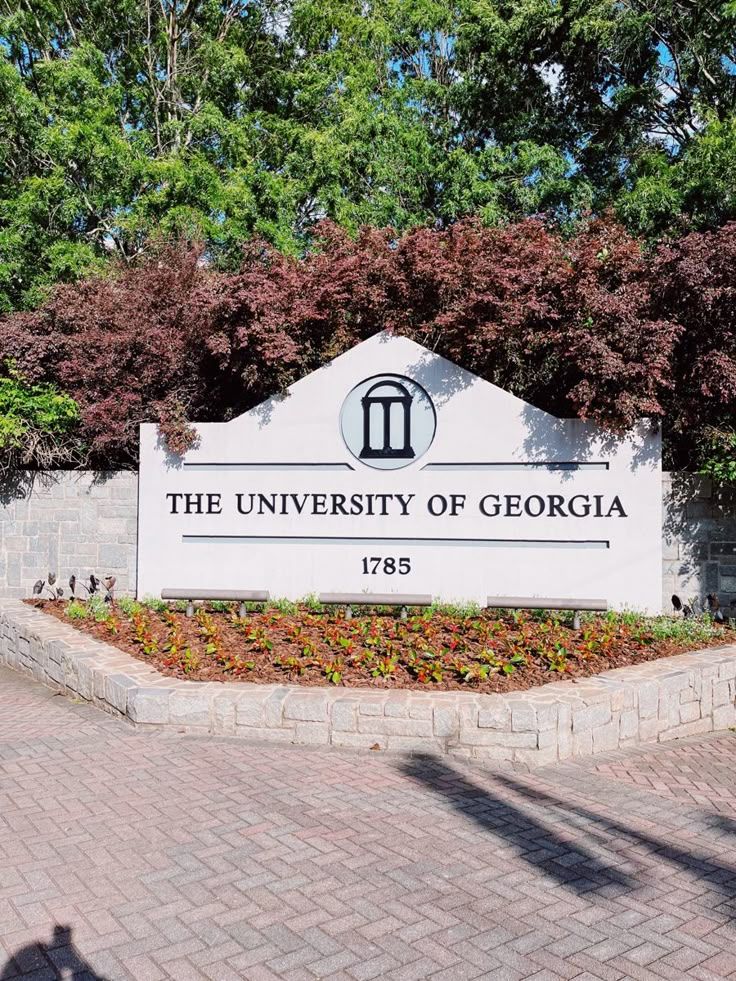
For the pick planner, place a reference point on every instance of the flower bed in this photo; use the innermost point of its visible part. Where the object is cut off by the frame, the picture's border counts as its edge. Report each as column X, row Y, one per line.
column 441, row 649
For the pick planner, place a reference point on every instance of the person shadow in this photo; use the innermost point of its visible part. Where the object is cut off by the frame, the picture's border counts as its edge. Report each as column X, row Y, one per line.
column 58, row 959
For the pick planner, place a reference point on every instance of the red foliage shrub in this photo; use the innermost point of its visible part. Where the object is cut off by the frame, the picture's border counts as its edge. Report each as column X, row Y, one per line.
column 593, row 326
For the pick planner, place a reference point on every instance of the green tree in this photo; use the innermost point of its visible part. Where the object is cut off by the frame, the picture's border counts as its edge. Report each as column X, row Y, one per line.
column 124, row 120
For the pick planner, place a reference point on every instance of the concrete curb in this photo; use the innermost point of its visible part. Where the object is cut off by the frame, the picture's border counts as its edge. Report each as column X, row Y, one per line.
column 655, row 701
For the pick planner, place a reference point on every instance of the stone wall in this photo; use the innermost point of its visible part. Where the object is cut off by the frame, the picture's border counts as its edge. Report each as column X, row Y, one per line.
column 67, row 522
column 655, row 701
column 84, row 522
column 698, row 541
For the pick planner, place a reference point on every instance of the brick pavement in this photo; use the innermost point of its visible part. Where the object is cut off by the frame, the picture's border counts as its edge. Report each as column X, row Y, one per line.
column 141, row 855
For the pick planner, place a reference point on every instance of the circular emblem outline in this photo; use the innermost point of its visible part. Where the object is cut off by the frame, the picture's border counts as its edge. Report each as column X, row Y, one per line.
column 388, row 394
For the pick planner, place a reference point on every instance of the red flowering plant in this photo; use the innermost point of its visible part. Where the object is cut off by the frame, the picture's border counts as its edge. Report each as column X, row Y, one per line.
column 481, row 651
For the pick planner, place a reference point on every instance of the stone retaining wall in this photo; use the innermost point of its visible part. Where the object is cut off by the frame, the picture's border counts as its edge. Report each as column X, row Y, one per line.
column 67, row 522
column 657, row 700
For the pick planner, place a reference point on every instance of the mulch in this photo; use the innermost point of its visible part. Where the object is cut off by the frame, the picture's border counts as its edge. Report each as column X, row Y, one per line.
column 305, row 645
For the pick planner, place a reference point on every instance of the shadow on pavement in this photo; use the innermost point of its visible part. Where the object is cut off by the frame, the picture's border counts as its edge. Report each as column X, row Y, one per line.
column 58, row 959
column 720, row 878
column 571, row 864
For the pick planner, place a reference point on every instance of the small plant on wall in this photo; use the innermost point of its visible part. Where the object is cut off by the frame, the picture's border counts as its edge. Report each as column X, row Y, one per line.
column 41, row 587
column 103, row 588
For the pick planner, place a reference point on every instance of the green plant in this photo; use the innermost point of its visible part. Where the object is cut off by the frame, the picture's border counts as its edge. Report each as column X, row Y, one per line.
column 76, row 610
column 333, row 671
column 717, row 452
column 384, row 667
column 311, row 601
column 142, row 632
column 285, row 606
column 459, row 611
column 128, row 605
column 556, row 658
column 292, row 664
column 35, row 420
column 156, row 604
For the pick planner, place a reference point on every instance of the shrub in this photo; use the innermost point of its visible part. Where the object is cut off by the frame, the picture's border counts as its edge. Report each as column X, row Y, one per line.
column 592, row 325
column 36, row 422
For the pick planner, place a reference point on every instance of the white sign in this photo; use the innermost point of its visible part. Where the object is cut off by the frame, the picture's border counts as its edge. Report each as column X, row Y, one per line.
column 393, row 470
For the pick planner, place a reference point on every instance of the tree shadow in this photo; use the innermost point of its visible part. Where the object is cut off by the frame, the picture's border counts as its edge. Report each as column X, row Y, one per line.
column 720, row 877
column 572, row 865
column 60, row 956
column 20, row 485
column 698, row 517
column 17, row 485
column 549, row 438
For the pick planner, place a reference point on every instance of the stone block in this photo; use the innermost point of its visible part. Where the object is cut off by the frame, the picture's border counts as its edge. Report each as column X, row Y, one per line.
column 149, row 705
column 706, row 697
column 590, row 717
column 190, row 708
column 396, row 705
column 494, row 714
column 100, row 490
column 496, row 737
column 114, row 526
column 648, row 730
column 309, row 706
column 582, row 742
column 374, row 707
column 721, row 694
column 344, row 715
column 71, row 665
column 605, row 738
column 470, row 713
column 223, row 712
column 724, row 717
column 689, row 712
column 490, row 752
column 523, row 718
column 629, row 725
column 689, row 729
column 311, row 733
column 710, row 577
column 547, row 716
column 85, row 677
column 446, row 722
column 420, row 708
column 564, row 732
column 535, row 757
column 117, row 687
column 112, row 557
column 673, row 709
column 99, row 678
column 396, row 727
column 669, row 550
column 548, row 739
column 250, row 710
column 274, row 708
column 285, row 735
column 414, row 744
column 618, row 699
column 360, row 740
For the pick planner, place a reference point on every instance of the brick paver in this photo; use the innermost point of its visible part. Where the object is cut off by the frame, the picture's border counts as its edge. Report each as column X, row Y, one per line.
column 140, row 855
